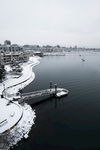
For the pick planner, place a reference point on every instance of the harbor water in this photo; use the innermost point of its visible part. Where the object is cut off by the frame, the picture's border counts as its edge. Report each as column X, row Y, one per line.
column 72, row 122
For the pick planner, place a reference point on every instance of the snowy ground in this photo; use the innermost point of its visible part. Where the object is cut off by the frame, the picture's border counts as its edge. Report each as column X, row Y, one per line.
column 19, row 83
column 21, row 130
column 11, row 114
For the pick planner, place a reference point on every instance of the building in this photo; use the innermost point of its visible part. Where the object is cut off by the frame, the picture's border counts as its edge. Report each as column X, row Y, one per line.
column 7, row 58
column 40, row 54
column 7, row 43
column 14, row 52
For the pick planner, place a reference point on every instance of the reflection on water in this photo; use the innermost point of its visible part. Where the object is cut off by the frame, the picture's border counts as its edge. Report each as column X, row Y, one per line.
column 72, row 122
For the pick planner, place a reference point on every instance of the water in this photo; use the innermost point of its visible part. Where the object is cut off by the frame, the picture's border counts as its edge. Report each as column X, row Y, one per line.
column 72, row 122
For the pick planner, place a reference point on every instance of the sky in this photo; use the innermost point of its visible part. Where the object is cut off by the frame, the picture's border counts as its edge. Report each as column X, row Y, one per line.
column 51, row 22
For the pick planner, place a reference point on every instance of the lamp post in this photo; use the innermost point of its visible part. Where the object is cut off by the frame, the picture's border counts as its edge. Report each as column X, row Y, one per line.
column 55, row 89
column 50, row 85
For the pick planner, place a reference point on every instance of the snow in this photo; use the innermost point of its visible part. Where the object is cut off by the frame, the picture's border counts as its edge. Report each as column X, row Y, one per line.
column 26, row 78
column 61, row 92
column 11, row 113
column 21, row 118
column 22, row 129
column 7, row 68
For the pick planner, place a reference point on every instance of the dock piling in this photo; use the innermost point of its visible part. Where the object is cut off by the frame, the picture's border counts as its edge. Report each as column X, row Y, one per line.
column 50, row 85
column 55, row 89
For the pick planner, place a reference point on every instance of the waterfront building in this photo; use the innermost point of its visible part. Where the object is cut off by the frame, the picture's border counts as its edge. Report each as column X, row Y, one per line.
column 7, row 58
column 7, row 42
column 14, row 52
column 40, row 54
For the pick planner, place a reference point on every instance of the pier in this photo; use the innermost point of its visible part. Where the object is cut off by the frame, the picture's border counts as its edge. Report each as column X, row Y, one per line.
column 38, row 96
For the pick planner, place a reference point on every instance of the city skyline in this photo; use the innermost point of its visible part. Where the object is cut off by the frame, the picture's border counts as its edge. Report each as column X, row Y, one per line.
column 44, row 22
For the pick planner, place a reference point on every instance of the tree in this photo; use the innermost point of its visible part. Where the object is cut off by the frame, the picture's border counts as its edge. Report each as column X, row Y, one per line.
column 2, row 71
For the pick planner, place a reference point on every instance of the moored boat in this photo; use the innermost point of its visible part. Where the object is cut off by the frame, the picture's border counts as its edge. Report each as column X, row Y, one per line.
column 62, row 93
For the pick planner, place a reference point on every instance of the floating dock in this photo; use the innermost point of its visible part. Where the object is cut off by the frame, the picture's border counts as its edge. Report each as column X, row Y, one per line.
column 38, row 96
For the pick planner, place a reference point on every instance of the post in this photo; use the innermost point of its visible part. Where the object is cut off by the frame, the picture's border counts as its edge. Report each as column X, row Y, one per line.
column 55, row 89
column 50, row 85
column 20, row 101
column 4, row 90
column 2, row 96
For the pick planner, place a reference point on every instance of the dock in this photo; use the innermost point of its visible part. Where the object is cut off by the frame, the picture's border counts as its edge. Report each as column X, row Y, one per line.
column 38, row 96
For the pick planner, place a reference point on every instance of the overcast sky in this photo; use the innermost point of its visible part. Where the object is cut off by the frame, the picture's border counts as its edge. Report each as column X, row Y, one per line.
column 63, row 22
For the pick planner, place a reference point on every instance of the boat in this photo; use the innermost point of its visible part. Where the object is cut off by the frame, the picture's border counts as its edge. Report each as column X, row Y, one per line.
column 62, row 93
column 83, row 59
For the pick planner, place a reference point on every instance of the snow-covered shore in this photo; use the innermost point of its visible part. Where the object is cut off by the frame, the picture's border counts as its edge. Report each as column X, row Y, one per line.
column 9, row 115
column 13, row 112
column 13, row 85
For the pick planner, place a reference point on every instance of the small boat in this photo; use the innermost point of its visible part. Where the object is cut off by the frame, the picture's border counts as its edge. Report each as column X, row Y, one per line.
column 83, row 59
column 61, row 93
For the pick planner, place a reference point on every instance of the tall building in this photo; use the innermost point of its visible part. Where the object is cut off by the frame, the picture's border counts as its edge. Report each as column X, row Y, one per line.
column 7, row 43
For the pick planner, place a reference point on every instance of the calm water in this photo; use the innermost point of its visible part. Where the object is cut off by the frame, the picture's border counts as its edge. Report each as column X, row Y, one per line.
column 72, row 122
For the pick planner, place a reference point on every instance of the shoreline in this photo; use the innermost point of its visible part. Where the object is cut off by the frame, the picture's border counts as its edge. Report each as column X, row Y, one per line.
column 12, row 86
column 20, row 114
